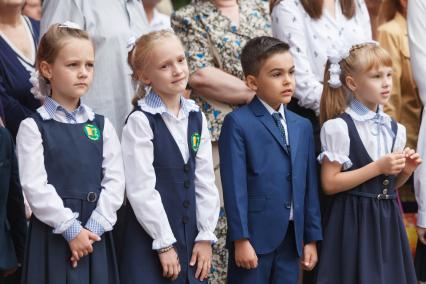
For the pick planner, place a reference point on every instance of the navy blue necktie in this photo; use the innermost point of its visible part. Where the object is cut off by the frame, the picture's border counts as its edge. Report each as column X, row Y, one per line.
column 277, row 118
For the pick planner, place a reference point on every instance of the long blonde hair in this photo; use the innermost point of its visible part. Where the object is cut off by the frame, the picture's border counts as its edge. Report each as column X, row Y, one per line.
column 139, row 55
column 362, row 58
column 314, row 7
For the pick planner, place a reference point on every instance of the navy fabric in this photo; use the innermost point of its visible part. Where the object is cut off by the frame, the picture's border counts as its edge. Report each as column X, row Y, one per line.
column 278, row 267
column 364, row 237
column 260, row 182
column 73, row 164
column 13, row 226
column 18, row 102
column 175, row 183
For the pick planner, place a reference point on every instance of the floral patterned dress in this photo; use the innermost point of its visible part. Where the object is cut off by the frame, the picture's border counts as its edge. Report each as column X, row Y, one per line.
column 211, row 39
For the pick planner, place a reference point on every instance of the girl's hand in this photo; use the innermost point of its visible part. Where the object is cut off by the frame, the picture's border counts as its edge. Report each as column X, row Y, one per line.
column 202, row 255
column 421, row 233
column 245, row 255
column 170, row 262
column 310, row 256
column 412, row 161
column 82, row 245
column 391, row 164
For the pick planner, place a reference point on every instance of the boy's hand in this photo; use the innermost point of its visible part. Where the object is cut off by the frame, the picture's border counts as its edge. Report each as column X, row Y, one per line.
column 82, row 245
column 245, row 256
column 412, row 161
column 391, row 164
column 10, row 271
column 202, row 255
column 310, row 256
column 170, row 263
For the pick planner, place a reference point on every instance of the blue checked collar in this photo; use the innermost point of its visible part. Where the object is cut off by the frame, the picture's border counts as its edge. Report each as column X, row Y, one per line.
column 153, row 104
column 51, row 107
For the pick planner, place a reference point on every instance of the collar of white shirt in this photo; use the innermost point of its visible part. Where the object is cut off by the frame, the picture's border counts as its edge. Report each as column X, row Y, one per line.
column 360, row 112
column 50, row 108
column 153, row 104
column 281, row 109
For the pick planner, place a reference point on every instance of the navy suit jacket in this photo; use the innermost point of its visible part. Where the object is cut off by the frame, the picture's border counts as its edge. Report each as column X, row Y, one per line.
column 13, row 225
column 260, row 178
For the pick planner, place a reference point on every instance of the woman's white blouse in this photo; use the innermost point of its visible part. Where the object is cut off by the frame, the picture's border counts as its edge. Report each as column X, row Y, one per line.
column 336, row 143
column 310, row 40
column 138, row 156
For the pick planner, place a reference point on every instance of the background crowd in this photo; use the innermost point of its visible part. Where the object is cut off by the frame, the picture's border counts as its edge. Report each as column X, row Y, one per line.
column 213, row 33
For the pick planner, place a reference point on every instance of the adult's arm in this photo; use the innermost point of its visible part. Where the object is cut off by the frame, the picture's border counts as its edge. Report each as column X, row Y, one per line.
column 417, row 42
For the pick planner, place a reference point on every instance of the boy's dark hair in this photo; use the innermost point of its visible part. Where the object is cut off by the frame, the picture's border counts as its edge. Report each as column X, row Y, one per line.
column 257, row 50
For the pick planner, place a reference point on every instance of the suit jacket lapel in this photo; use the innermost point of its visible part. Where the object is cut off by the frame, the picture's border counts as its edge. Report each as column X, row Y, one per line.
column 267, row 120
column 293, row 134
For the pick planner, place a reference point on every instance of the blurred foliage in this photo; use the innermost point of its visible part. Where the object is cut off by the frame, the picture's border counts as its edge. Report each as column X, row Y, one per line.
column 180, row 3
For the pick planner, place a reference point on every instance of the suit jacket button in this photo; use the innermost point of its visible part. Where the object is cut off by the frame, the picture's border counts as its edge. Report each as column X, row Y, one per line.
column 385, row 182
column 187, row 184
column 186, row 204
column 288, row 205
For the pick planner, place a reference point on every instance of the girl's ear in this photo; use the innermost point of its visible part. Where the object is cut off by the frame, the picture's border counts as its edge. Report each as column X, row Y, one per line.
column 251, row 82
column 45, row 70
column 143, row 77
column 350, row 83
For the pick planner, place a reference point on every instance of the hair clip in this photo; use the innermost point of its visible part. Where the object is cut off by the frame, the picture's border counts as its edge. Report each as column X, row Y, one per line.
column 70, row 25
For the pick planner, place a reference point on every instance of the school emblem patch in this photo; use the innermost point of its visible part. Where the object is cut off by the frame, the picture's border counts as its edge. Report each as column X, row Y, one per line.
column 195, row 141
column 92, row 132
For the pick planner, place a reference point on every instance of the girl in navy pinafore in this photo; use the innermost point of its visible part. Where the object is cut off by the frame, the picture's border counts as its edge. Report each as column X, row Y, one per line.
column 166, row 228
column 71, row 170
column 363, row 163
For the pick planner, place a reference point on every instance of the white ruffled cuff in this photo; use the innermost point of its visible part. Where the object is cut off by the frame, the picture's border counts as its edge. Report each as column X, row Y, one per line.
column 333, row 157
column 163, row 243
column 206, row 236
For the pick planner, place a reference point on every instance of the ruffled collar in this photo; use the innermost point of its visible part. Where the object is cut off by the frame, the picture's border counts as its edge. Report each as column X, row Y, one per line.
column 50, row 107
column 153, row 104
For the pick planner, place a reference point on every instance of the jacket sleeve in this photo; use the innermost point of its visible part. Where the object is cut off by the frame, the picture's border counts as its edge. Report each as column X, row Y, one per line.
column 234, row 178
column 312, row 229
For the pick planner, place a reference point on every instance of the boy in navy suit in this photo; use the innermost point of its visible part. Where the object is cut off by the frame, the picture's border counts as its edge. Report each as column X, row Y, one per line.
column 269, row 175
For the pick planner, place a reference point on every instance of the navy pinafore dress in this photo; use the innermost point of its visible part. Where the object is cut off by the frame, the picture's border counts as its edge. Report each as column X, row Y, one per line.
column 175, row 183
column 364, row 238
column 73, row 163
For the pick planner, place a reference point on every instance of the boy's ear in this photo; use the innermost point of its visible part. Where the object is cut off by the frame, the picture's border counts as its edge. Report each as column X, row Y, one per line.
column 350, row 83
column 251, row 82
column 45, row 69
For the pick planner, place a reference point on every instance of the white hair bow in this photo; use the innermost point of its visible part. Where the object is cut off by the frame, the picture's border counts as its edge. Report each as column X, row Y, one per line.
column 335, row 56
column 70, row 25
column 40, row 87
column 131, row 42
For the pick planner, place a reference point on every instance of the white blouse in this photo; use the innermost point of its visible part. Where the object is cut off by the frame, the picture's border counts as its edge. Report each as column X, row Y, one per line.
column 44, row 201
column 335, row 136
column 138, row 157
column 310, row 39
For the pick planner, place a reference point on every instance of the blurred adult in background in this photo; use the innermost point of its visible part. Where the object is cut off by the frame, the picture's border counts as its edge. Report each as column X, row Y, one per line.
column 110, row 24
column 375, row 11
column 213, row 33
column 18, row 42
column 404, row 105
column 157, row 20
column 32, row 9
column 417, row 42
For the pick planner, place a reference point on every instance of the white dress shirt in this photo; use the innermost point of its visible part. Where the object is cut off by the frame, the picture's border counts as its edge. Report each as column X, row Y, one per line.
column 160, row 21
column 44, row 201
column 140, row 174
column 311, row 39
column 110, row 24
column 335, row 135
column 417, row 41
column 284, row 124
